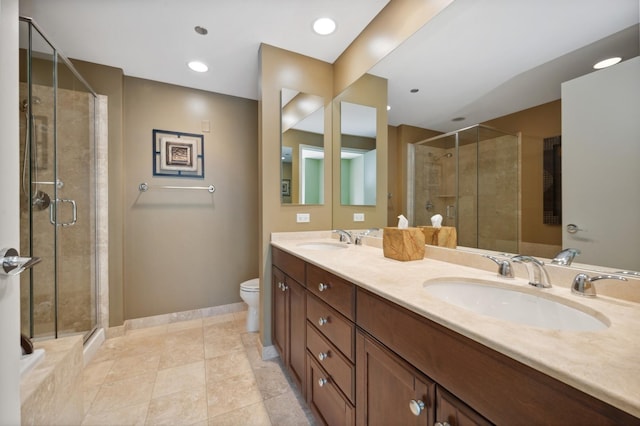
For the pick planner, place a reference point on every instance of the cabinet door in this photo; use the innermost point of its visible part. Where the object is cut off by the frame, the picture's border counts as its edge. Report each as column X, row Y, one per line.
column 389, row 391
column 297, row 331
column 451, row 411
column 279, row 314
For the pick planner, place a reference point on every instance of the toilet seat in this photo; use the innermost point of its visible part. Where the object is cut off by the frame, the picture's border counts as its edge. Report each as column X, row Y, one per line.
column 251, row 286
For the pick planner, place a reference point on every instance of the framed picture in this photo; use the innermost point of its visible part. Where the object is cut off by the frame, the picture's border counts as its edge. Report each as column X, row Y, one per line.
column 286, row 187
column 178, row 154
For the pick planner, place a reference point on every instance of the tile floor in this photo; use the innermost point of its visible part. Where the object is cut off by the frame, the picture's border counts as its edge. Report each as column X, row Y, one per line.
column 200, row 372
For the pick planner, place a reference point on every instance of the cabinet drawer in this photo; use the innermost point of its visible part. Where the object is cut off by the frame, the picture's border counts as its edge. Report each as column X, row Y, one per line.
column 291, row 265
column 340, row 294
column 324, row 399
column 341, row 371
column 337, row 329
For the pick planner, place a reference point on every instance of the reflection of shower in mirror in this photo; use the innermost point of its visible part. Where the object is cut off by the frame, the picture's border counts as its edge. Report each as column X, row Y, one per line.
column 438, row 157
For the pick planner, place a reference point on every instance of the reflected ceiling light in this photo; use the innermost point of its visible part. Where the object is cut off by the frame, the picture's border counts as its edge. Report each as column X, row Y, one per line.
column 388, row 107
column 198, row 66
column 324, row 26
column 607, row 63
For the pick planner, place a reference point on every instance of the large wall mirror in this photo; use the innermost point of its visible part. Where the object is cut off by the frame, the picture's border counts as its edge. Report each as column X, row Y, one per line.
column 432, row 87
column 302, row 148
column 357, row 154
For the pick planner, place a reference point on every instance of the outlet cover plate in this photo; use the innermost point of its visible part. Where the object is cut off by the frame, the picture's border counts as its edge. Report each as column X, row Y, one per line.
column 358, row 217
column 303, row 218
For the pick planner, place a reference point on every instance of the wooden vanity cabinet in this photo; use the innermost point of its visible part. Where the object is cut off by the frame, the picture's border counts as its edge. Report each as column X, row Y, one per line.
column 289, row 313
column 390, row 391
column 498, row 387
column 359, row 358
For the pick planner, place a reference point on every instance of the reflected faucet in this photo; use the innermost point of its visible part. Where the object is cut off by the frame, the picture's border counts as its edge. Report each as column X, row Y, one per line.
column 538, row 276
column 345, row 236
column 358, row 241
column 505, row 269
column 565, row 257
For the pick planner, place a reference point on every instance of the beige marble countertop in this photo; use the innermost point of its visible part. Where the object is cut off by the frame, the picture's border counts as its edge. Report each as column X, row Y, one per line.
column 604, row 364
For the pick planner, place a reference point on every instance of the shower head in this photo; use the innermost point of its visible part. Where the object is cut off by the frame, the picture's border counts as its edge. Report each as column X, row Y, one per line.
column 438, row 157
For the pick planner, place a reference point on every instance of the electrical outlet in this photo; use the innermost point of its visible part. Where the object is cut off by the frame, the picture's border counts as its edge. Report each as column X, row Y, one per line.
column 303, row 218
column 358, row 217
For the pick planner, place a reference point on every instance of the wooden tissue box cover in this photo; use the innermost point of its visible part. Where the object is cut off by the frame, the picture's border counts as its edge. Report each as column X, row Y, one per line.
column 445, row 236
column 403, row 244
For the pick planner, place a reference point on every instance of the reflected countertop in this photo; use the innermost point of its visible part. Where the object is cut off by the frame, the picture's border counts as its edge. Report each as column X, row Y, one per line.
column 604, row 364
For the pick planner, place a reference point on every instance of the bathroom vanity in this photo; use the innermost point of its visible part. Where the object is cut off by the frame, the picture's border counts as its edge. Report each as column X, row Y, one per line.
column 367, row 345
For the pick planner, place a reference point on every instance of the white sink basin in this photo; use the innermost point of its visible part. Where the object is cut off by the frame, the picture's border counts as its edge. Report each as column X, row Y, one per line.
column 323, row 245
column 513, row 305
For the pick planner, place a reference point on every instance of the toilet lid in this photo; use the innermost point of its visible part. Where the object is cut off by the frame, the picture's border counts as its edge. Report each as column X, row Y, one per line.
column 251, row 285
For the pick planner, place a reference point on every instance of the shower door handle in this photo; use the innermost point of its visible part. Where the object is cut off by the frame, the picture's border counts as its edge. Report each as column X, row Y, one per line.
column 53, row 208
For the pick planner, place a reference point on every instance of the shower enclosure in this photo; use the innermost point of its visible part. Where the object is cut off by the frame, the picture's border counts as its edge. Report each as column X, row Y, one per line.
column 57, row 191
column 470, row 177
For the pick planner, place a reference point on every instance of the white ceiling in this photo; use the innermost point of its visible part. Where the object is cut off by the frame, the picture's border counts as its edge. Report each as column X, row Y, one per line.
column 154, row 39
column 479, row 59
column 483, row 59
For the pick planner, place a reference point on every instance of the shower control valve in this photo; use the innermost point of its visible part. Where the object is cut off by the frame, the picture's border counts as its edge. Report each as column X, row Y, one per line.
column 13, row 264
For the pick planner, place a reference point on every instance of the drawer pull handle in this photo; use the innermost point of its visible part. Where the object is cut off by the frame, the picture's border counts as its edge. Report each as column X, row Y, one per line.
column 323, row 287
column 322, row 321
column 323, row 355
column 441, row 424
column 322, row 382
column 416, row 407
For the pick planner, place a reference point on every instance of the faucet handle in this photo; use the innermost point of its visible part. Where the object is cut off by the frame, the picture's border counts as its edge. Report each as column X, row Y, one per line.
column 504, row 266
column 583, row 284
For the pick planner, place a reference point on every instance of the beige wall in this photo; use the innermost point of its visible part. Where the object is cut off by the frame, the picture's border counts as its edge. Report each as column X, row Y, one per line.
column 282, row 69
column 183, row 249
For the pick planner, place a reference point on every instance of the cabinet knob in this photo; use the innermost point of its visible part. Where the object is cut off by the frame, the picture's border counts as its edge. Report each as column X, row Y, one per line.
column 441, row 424
column 416, row 406
column 322, row 382
column 322, row 321
column 280, row 285
column 323, row 286
column 323, row 355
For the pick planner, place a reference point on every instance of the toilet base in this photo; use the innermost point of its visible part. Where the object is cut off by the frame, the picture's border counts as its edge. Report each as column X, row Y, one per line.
column 253, row 322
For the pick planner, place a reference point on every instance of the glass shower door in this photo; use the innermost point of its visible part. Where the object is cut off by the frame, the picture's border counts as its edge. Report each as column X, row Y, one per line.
column 73, row 212
column 37, row 188
column 57, row 203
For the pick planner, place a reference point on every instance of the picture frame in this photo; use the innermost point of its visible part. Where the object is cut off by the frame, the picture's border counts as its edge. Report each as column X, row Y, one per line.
column 178, row 154
column 286, row 187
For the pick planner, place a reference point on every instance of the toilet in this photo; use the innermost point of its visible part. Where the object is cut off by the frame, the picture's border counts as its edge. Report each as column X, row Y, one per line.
column 250, row 294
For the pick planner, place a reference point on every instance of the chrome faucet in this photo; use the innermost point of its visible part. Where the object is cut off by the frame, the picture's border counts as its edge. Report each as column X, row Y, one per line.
column 505, row 269
column 345, row 236
column 358, row 241
column 565, row 257
column 583, row 284
column 538, row 276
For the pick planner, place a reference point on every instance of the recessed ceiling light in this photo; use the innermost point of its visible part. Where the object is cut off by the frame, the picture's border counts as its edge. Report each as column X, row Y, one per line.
column 414, row 90
column 198, row 66
column 607, row 63
column 324, row 26
column 201, row 30
column 458, row 119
